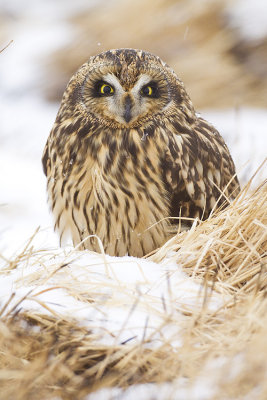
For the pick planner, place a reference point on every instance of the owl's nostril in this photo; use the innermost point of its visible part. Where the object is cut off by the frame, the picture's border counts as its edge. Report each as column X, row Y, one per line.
column 127, row 115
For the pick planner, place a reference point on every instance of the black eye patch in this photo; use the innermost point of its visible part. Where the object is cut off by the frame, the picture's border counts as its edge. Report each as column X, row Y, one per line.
column 150, row 90
column 102, row 88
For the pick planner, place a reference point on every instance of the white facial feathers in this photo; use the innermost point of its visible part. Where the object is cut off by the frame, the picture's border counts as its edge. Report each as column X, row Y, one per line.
column 136, row 103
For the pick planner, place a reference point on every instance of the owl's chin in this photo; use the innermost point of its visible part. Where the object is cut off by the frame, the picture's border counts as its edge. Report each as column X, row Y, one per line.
column 137, row 121
column 118, row 122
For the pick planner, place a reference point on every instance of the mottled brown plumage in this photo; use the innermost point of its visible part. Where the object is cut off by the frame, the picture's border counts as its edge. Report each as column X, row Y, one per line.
column 127, row 151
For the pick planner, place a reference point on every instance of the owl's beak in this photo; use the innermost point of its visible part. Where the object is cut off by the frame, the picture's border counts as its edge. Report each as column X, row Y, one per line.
column 127, row 115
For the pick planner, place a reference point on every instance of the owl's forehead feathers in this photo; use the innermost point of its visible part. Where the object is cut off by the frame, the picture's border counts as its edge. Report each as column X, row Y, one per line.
column 128, row 65
column 128, row 57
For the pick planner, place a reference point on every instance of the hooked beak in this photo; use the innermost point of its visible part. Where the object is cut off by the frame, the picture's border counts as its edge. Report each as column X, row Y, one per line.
column 127, row 109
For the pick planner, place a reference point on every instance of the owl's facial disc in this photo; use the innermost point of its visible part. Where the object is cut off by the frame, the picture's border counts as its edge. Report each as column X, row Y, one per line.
column 128, row 103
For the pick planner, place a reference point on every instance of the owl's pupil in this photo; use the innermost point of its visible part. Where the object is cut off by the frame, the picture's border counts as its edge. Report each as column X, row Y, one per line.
column 147, row 90
column 106, row 89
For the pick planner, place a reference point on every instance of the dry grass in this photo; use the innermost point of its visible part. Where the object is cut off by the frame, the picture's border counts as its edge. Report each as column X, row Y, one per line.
column 229, row 249
column 43, row 356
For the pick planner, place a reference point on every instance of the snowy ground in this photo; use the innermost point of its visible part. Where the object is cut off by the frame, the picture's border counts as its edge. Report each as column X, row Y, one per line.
column 26, row 120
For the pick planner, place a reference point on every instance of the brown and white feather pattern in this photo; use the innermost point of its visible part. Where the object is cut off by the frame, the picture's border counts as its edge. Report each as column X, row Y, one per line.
column 123, row 180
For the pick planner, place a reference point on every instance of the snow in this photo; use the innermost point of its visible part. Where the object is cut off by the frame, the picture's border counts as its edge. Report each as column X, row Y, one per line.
column 245, row 132
column 51, row 10
column 150, row 295
column 179, row 390
column 249, row 17
column 131, row 297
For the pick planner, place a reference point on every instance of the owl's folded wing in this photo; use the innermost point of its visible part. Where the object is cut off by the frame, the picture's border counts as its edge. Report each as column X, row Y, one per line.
column 201, row 172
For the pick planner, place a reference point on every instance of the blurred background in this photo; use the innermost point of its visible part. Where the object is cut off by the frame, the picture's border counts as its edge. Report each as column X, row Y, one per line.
column 218, row 48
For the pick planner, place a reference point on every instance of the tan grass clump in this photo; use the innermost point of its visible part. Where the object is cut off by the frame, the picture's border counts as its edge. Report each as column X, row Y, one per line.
column 229, row 249
column 43, row 356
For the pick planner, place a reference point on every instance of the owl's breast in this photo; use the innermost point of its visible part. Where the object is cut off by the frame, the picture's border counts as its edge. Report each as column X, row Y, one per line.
column 117, row 196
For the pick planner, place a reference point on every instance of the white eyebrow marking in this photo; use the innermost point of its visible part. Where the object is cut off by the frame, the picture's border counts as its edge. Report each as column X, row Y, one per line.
column 114, row 81
column 142, row 81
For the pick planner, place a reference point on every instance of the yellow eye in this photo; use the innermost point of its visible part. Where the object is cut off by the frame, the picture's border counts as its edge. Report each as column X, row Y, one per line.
column 106, row 89
column 151, row 90
column 147, row 91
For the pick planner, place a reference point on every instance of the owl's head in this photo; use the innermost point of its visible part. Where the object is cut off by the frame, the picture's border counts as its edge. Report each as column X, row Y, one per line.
column 126, row 88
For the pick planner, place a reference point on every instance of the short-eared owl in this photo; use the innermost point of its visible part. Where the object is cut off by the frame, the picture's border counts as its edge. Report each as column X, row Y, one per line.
column 127, row 151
